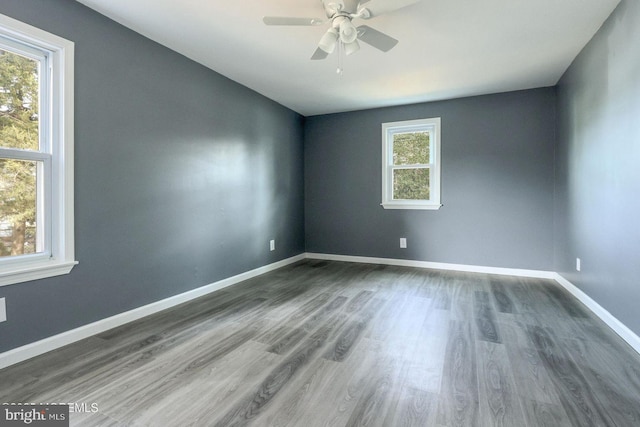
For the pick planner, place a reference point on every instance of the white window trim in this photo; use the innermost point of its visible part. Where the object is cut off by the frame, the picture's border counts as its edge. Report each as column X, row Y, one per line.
column 61, row 258
column 388, row 130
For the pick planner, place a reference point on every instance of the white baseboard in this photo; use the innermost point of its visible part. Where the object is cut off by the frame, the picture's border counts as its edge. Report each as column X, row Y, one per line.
column 539, row 274
column 37, row 348
column 618, row 327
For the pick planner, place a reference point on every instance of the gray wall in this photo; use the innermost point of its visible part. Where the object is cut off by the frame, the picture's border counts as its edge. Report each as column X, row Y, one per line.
column 182, row 177
column 598, row 167
column 497, row 184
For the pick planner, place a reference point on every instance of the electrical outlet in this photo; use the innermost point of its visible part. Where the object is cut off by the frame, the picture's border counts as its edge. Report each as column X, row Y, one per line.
column 403, row 242
column 272, row 245
column 3, row 310
column 578, row 264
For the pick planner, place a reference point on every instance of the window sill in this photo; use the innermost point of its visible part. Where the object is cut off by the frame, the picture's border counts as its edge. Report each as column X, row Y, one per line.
column 25, row 273
column 417, row 206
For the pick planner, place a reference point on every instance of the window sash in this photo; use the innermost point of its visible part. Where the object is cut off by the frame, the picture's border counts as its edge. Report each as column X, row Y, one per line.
column 44, row 200
column 43, row 57
column 390, row 177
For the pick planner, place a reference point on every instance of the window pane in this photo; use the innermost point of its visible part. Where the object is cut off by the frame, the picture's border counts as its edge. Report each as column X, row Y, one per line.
column 18, row 207
column 18, row 101
column 411, row 184
column 411, row 148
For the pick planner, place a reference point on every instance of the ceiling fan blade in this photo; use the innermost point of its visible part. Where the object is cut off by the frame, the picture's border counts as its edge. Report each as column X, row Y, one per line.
column 283, row 20
column 319, row 54
column 379, row 7
column 376, row 39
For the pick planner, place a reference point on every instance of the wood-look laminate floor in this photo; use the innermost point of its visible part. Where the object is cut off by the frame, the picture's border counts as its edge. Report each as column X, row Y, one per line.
column 335, row 344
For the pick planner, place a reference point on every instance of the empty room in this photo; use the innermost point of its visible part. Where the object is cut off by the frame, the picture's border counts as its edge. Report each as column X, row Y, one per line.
column 319, row 213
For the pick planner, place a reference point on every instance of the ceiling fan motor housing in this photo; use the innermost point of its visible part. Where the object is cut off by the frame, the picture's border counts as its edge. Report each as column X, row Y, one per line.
column 333, row 7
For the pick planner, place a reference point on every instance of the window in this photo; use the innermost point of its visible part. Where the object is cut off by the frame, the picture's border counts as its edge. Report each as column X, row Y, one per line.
column 411, row 164
column 36, row 153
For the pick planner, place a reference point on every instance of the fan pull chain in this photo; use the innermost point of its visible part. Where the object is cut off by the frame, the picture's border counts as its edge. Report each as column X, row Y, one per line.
column 340, row 70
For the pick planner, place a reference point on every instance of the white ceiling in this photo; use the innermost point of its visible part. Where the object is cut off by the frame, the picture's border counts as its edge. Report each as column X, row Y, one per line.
column 448, row 48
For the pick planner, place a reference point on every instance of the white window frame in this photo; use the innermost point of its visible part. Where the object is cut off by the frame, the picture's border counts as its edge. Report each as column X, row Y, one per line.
column 56, row 153
column 432, row 126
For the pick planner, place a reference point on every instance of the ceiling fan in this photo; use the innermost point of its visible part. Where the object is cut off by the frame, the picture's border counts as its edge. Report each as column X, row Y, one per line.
column 342, row 32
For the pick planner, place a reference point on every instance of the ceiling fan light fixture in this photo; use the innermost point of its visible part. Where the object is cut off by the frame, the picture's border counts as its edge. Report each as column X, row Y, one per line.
column 329, row 40
column 348, row 32
column 352, row 47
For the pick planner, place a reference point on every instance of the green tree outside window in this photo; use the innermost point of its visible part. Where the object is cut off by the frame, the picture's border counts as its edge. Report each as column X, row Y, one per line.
column 19, row 130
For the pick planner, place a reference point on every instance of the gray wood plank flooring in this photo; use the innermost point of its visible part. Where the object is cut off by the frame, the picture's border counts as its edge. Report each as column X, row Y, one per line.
column 322, row 343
